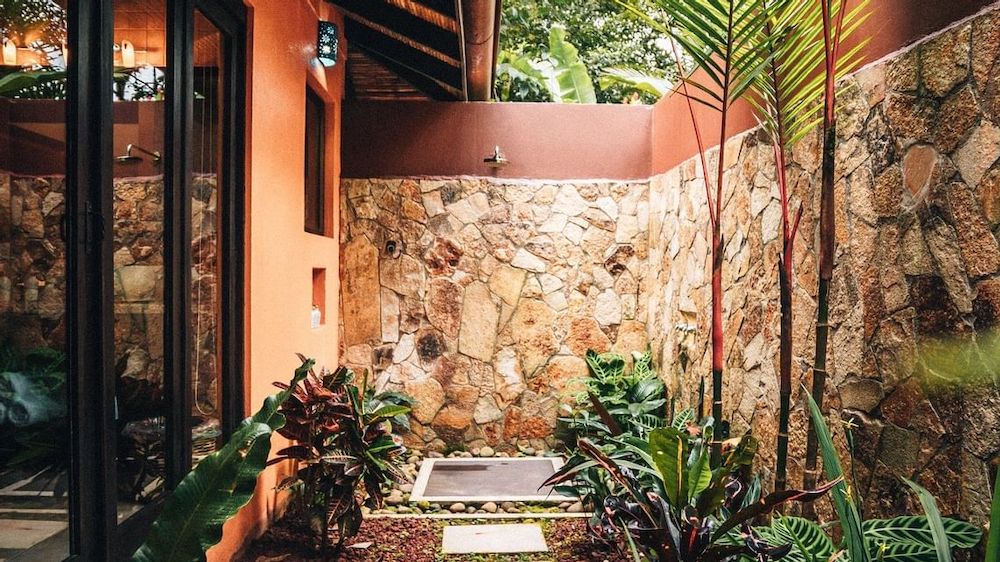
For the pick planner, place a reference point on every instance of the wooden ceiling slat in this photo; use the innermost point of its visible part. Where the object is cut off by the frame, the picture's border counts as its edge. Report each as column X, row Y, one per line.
column 441, row 6
column 405, row 27
column 405, row 40
column 371, row 82
column 403, row 53
column 445, row 20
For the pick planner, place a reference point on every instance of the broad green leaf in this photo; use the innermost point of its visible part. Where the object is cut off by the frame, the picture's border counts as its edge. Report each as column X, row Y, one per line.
column 222, row 483
column 667, row 448
column 18, row 81
column 700, row 473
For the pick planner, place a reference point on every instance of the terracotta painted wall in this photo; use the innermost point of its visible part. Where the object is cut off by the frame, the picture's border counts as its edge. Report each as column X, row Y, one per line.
column 893, row 24
column 281, row 255
column 541, row 140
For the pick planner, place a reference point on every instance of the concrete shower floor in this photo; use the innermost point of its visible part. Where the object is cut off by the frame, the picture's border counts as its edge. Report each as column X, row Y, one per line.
column 487, row 479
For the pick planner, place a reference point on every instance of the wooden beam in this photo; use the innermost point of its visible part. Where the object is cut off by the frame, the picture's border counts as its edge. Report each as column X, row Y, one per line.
column 386, row 17
column 446, row 20
column 397, row 49
column 441, row 6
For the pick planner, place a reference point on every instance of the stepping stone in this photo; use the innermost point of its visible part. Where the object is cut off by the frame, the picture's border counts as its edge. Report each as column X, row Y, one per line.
column 25, row 533
column 493, row 539
column 481, row 480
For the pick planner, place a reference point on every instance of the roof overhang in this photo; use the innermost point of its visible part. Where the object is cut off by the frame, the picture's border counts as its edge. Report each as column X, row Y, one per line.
column 446, row 49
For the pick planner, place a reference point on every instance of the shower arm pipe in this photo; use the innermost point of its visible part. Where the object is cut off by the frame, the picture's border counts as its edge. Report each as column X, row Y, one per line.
column 155, row 153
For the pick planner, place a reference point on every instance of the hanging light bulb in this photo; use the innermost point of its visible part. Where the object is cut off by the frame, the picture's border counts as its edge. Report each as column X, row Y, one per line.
column 9, row 52
column 128, row 54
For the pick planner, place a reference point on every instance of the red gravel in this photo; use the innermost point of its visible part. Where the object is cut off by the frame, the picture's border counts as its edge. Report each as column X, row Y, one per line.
column 419, row 540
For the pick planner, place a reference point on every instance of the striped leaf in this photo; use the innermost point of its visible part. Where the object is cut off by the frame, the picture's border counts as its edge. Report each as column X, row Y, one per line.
column 902, row 552
column 913, row 529
column 809, row 541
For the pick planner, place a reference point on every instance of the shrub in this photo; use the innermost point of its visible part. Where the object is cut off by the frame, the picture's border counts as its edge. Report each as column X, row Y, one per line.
column 346, row 449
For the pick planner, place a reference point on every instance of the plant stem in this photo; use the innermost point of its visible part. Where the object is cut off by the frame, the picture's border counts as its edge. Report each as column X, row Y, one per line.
column 827, row 225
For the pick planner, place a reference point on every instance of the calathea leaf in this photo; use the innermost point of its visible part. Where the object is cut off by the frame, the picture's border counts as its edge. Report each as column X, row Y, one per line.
column 913, row 529
column 809, row 541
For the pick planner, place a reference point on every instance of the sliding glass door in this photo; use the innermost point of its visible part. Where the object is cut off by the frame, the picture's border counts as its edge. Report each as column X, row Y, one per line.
column 121, row 263
column 34, row 421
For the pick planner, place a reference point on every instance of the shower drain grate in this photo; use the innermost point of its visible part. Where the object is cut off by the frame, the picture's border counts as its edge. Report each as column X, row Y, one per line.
column 487, row 479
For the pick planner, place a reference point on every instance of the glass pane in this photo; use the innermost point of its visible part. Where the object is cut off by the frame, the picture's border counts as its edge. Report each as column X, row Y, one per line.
column 209, row 72
column 33, row 410
column 140, row 56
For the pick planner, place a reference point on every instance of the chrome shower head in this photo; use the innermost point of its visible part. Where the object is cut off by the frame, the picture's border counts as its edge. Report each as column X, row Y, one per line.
column 128, row 157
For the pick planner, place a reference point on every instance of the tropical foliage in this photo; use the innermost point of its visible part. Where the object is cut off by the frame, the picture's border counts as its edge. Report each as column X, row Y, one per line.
column 787, row 96
column 345, row 448
column 222, row 483
column 558, row 73
column 901, row 539
column 603, row 32
column 635, row 399
column 670, row 504
column 33, row 424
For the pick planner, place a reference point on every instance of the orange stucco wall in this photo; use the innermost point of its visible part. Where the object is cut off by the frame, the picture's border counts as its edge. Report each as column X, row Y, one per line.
column 281, row 256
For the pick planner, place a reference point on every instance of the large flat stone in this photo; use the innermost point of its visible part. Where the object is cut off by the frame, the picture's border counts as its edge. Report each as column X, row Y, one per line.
column 18, row 534
column 493, row 539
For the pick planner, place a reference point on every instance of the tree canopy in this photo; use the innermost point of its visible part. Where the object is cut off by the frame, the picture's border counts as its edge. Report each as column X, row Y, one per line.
column 605, row 35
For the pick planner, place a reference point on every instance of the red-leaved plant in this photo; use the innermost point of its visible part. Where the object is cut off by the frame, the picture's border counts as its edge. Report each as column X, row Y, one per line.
column 345, row 449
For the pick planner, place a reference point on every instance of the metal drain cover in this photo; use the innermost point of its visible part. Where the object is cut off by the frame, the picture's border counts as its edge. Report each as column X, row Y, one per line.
column 487, row 479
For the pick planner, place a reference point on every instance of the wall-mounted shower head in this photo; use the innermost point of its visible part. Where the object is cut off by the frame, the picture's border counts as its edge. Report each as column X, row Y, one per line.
column 128, row 157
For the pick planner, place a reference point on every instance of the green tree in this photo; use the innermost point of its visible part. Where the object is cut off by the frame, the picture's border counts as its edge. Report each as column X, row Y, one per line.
column 603, row 32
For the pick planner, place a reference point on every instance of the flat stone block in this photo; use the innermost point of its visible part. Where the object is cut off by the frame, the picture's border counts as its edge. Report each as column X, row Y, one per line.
column 493, row 539
column 477, row 480
column 19, row 534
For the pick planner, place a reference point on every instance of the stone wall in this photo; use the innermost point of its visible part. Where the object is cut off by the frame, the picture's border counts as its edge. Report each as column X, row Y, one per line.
column 33, row 278
column 32, row 261
column 918, row 213
column 479, row 297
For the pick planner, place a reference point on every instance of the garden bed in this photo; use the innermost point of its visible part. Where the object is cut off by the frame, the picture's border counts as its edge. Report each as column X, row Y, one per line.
column 419, row 540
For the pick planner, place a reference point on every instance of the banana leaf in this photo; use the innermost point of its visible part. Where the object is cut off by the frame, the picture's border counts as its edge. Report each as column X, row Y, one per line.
column 211, row 494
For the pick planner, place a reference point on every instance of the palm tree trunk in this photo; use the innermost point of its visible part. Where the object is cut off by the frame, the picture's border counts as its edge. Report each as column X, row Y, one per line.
column 827, row 248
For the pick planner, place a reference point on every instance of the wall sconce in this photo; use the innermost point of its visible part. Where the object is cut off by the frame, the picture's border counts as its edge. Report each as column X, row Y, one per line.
column 9, row 52
column 327, row 43
column 128, row 54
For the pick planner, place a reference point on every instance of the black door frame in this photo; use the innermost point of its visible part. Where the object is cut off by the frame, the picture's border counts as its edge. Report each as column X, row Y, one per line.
column 95, row 534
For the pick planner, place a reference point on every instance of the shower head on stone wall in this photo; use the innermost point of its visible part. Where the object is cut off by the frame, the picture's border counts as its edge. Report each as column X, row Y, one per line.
column 128, row 157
